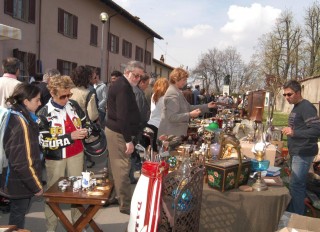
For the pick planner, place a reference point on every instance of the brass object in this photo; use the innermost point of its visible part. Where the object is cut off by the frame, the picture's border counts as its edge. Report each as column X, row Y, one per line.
column 95, row 193
column 229, row 144
column 259, row 155
column 103, row 188
column 229, row 141
column 99, row 181
column 260, row 185
column 208, row 138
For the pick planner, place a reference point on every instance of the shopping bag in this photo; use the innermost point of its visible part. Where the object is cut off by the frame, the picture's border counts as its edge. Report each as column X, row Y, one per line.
column 145, row 202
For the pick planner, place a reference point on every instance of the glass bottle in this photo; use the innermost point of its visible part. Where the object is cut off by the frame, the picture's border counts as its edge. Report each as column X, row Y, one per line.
column 215, row 149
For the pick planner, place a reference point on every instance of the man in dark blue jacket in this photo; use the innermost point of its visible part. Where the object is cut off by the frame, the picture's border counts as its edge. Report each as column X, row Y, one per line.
column 303, row 131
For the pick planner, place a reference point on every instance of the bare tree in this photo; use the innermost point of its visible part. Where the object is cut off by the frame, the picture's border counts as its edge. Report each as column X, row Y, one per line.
column 209, row 68
column 232, row 66
column 215, row 65
column 312, row 30
column 280, row 49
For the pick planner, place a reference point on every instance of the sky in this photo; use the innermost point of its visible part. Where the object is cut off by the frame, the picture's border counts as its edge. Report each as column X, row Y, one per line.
column 192, row 27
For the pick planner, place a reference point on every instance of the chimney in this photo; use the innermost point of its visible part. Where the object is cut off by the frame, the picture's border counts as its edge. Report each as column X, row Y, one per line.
column 162, row 58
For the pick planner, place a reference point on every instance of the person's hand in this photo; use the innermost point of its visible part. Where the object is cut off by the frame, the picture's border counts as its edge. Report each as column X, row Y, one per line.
column 130, row 148
column 39, row 193
column 195, row 113
column 288, row 131
column 212, row 105
column 79, row 134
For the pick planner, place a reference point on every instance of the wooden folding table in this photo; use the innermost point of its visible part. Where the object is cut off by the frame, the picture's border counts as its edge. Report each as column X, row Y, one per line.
column 88, row 205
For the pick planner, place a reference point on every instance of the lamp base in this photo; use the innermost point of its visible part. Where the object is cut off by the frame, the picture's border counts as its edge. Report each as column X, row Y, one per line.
column 260, row 185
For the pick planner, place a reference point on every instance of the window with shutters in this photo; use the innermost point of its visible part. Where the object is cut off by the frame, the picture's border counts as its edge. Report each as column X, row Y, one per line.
column 113, row 43
column 67, row 24
column 27, row 62
column 126, row 49
column 147, row 58
column 65, row 67
column 139, row 54
column 94, row 35
column 21, row 9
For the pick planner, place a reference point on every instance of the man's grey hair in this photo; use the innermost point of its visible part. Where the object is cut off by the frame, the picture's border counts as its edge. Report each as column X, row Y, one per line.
column 132, row 65
column 10, row 65
column 50, row 73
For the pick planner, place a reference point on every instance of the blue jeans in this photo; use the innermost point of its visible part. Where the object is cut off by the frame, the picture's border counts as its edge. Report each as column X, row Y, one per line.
column 300, row 166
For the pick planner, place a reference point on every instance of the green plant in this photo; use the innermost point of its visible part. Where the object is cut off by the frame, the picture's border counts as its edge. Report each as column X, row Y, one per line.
column 280, row 119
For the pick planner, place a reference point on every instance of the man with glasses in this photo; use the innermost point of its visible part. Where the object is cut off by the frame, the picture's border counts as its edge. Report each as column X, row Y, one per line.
column 303, row 131
column 121, row 127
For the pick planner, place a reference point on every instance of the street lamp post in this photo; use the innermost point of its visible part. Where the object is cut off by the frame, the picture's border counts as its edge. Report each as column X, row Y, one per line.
column 103, row 18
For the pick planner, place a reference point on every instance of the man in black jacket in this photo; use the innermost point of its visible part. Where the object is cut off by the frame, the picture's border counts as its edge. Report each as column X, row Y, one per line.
column 303, row 131
column 121, row 127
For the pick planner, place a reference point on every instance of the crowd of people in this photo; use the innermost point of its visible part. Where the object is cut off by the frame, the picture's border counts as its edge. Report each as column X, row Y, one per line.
column 50, row 125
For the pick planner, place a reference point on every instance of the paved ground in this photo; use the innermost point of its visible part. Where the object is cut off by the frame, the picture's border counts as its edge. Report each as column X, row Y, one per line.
column 108, row 219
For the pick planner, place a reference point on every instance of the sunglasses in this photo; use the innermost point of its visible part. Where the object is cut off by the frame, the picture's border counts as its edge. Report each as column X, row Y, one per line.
column 62, row 97
column 137, row 75
column 287, row 94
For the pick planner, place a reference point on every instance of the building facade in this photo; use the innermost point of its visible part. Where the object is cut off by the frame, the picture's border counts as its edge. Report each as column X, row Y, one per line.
column 160, row 68
column 63, row 34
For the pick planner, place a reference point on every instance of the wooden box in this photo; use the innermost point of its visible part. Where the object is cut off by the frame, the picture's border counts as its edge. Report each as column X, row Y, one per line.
column 222, row 174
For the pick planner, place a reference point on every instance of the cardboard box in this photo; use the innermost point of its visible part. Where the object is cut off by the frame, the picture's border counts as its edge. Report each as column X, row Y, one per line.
column 302, row 223
column 222, row 174
column 278, row 144
column 246, row 149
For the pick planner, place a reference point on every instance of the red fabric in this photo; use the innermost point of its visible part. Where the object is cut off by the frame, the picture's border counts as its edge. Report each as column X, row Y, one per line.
column 77, row 146
column 155, row 172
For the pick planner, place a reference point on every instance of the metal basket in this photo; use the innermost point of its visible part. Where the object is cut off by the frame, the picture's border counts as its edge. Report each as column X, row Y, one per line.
column 180, row 209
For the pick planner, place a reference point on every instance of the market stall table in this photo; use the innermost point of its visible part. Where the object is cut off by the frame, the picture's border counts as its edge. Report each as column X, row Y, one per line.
column 235, row 210
column 88, row 205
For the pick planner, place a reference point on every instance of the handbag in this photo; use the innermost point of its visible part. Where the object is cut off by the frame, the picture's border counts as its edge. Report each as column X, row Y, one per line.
column 96, row 143
column 145, row 202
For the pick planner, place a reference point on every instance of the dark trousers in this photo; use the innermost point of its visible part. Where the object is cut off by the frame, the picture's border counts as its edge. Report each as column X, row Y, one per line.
column 18, row 210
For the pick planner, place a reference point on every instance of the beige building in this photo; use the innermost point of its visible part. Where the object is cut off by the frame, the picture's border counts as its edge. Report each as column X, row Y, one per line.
column 160, row 68
column 63, row 34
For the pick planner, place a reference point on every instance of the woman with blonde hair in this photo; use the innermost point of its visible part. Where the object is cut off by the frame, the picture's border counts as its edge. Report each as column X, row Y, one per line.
column 159, row 89
column 62, row 129
column 177, row 110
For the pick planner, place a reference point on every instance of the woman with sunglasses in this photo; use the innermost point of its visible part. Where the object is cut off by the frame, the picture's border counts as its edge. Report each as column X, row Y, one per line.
column 61, row 133
column 22, row 178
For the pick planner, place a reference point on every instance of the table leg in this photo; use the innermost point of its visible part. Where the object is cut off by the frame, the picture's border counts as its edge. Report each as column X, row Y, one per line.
column 87, row 217
column 58, row 212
